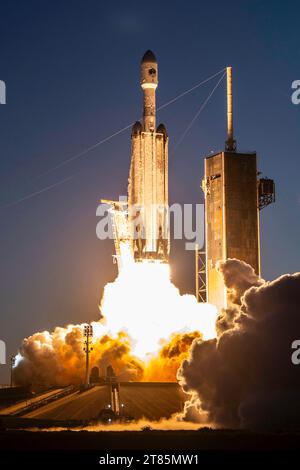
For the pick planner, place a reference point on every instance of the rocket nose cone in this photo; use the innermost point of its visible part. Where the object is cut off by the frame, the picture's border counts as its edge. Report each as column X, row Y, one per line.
column 149, row 57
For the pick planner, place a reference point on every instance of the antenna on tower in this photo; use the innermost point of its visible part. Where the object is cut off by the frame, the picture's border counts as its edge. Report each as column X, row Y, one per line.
column 230, row 144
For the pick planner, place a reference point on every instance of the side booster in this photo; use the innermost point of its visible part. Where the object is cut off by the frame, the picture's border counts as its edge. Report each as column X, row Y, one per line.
column 148, row 179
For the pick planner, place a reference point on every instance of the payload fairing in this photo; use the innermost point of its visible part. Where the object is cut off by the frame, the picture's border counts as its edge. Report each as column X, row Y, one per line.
column 148, row 178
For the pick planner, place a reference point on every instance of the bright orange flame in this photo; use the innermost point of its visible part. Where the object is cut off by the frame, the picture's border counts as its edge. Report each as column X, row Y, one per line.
column 145, row 334
column 143, row 302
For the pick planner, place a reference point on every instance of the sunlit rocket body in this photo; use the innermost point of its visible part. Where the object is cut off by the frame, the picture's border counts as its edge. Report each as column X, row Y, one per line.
column 148, row 179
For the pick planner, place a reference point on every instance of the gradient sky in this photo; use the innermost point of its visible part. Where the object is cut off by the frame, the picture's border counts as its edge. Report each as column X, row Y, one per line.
column 72, row 74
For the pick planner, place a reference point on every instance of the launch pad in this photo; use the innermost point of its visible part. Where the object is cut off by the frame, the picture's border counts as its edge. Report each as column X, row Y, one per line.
column 151, row 401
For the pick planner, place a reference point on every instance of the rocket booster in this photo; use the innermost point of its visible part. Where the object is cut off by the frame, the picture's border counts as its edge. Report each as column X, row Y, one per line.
column 148, row 179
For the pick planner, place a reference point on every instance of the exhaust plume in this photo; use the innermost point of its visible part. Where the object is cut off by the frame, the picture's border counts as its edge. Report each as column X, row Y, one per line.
column 145, row 331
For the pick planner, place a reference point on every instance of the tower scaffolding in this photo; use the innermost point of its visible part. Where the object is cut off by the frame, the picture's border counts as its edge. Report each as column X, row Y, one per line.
column 119, row 218
column 200, row 275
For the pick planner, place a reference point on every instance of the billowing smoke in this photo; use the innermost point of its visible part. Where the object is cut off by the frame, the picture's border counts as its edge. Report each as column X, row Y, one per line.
column 164, row 366
column 245, row 378
column 57, row 358
column 145, row 332
column 238, row 277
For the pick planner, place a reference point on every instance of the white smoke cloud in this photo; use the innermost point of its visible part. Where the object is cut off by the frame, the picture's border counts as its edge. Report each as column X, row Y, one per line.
column 245, row 377
column 143, row 315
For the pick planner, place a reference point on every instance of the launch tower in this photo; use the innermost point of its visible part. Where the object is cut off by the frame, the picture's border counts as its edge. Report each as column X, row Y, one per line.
column 233, row 197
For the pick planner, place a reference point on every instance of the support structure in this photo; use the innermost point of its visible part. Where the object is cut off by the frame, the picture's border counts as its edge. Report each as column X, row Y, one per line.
column 12, row 365
column 114, row 391
column 233, row 197
column 230, row 142
column 88, row 334
column 119, row 220
column 200, row 275
column 266, row 192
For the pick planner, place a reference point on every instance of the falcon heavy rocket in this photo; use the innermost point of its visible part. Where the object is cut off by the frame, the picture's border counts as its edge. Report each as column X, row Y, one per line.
column 148, row 179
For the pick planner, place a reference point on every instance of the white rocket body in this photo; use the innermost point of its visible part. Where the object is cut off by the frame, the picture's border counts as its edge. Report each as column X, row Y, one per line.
column 148, row 180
